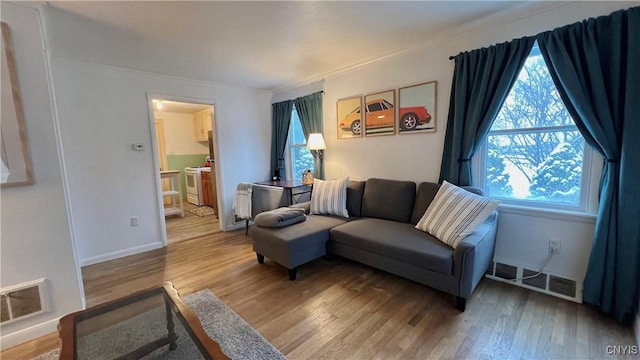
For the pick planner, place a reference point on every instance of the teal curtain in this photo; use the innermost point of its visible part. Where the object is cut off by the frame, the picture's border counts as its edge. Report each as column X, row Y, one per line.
column 309, row 110
column 481, row 82
column 280, row 120
column 595, row 65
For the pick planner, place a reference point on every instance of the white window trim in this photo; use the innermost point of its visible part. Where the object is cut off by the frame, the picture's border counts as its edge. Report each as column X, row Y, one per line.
column 555, row 214
column 287, row 159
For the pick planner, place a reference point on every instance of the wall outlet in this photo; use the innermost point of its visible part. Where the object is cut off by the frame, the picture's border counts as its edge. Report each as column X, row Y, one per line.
column 135, row 221
column 554, row 246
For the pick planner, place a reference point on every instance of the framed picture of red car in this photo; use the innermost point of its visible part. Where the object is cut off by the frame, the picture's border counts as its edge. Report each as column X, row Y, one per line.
column 380, row 113
column 417, row 108
column 349, row 119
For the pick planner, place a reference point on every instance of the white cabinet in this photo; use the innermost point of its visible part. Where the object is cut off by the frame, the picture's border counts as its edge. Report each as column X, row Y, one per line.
column 174, row 193
column 202, row 124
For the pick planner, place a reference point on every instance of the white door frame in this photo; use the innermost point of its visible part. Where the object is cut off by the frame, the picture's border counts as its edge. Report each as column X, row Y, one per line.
column 156, row 161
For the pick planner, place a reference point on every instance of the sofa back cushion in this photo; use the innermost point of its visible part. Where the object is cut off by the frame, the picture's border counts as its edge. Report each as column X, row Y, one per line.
column 355, row 189
column 426, row 192
column 388, row 199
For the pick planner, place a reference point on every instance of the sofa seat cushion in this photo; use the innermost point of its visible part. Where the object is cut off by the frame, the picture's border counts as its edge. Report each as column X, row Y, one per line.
column 310, row 233
column 399, row 241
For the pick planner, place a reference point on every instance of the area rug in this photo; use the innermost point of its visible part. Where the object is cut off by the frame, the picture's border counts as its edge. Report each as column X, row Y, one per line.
column 237, row 339
column 202, row 211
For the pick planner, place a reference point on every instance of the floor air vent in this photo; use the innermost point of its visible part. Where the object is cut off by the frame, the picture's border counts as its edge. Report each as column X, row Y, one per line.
column 539, row 281
column 506, row 271
column 562, row 286
column 545, row 283
column 24, row 300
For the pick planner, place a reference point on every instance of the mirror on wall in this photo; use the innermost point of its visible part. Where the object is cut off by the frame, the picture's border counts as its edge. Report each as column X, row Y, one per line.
column 14, row 149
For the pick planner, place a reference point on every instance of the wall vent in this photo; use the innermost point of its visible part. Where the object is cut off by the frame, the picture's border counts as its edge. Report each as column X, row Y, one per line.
column 539, row 281
column 490, row 269
column 506, row 271
column 562, row 286
column 23, row 300
column 546, row 283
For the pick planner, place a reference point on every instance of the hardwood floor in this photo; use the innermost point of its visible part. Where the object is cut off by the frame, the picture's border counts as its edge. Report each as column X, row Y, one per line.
column 338, row 309
column 190, row 226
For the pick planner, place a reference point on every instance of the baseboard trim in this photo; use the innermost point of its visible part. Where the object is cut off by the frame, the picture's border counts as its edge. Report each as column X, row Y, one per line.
column 28, row 334
column 120, row 253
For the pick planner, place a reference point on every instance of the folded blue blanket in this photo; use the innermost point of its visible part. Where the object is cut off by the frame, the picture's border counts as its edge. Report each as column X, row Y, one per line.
column 280, row 217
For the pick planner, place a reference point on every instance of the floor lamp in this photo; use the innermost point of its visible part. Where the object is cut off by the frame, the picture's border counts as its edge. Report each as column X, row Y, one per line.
column 316, row 144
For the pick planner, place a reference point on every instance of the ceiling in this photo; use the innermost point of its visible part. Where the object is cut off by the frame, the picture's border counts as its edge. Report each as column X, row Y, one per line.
column 261, row 45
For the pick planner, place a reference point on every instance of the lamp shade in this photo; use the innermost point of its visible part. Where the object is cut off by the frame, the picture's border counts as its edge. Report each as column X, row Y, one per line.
column 316, row 142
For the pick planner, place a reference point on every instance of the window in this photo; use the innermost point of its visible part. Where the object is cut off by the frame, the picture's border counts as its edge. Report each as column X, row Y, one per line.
column 376, row 106
column 299, row 158
column 534, row 153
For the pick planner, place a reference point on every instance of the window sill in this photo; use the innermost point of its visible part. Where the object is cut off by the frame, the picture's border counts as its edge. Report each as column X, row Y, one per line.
column 565, row 215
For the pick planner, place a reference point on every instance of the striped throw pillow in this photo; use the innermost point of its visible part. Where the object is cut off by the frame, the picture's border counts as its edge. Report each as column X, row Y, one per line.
column 455, row 213
column 330, row 197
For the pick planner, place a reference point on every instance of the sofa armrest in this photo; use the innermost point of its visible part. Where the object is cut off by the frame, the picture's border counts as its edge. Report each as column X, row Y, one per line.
column 303, row 205
column 474, row 254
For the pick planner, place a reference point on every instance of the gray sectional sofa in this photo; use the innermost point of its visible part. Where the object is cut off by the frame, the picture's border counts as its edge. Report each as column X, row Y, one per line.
column 380, row 232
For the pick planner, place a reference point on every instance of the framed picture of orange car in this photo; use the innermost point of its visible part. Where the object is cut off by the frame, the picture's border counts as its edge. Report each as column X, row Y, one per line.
column 417, row 108
column 380, row 113
column 349, row 120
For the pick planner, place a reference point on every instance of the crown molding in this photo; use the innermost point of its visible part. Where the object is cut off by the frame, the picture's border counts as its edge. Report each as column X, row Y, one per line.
column 507, row 16
column 69, row 61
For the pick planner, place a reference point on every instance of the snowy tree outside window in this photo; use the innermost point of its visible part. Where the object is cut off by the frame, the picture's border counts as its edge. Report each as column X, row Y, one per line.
column 300, row 158
column 534, row 151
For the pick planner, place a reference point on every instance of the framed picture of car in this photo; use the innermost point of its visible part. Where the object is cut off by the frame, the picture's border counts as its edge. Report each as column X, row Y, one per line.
column 417, row 108
column 349, row 119
column 380, row 113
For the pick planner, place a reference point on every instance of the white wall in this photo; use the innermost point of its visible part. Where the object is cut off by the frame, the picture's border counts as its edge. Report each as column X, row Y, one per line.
column 102, row 112
column 179, row 130
column 523, row 238
column 36, row 240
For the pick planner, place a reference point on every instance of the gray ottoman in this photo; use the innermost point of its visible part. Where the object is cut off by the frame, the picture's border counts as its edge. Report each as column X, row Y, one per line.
column 294, row 245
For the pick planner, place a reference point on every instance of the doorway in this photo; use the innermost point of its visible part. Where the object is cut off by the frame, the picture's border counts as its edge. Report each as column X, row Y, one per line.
column 185, row 142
